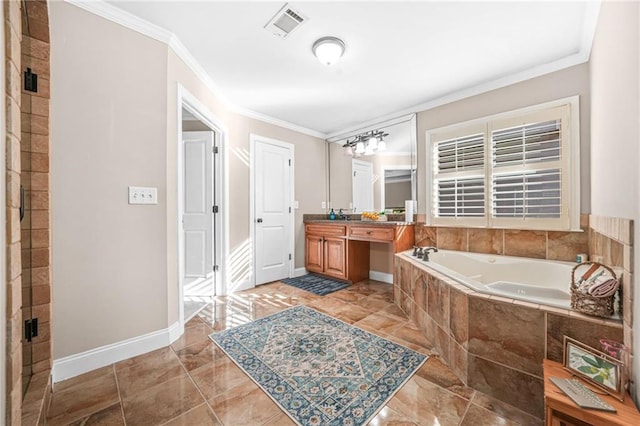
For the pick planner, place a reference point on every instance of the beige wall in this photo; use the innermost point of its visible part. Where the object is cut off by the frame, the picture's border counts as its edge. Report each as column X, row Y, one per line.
column 310, row 176
column 114, row 117
column 108, row 132
column 557, row 85
column 615, row 128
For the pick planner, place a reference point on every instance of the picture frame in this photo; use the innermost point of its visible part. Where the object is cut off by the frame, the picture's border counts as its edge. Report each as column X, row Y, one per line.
column 595, row 367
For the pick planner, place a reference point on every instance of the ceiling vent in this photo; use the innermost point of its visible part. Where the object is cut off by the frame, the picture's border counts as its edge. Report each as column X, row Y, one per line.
column 285, row 22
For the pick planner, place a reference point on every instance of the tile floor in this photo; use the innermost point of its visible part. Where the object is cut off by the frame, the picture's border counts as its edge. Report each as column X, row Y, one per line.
column 192, row 382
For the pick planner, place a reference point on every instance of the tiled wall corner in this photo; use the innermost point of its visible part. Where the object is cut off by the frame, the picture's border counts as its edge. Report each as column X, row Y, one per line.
column 611, row 242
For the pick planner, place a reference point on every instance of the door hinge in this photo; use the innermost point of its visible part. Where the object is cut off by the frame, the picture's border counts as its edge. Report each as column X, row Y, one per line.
column 215, row 209
column 216, row 150
column 30, row 81
column 289, row 256
column 354, row 174
column 215, row 268
column 289, row 162
column 289, row 209
column 30, row 329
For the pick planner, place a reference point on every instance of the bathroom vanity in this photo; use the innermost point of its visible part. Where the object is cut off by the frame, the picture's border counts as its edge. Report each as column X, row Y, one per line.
column 340, row 249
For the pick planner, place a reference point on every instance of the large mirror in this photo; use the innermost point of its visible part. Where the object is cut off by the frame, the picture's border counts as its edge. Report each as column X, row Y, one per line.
column 380, row 180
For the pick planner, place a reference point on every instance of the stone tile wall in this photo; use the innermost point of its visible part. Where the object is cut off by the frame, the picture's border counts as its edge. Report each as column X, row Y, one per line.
column 550, row 245
column 36, row 229
column 493, row 344
column 13, row 36
column 26, row 29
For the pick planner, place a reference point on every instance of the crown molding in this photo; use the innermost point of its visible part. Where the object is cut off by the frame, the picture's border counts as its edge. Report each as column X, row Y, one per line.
column 271, row 120
column 124, row 18
column 144, row 27
column 128, row 20
column 592, row 13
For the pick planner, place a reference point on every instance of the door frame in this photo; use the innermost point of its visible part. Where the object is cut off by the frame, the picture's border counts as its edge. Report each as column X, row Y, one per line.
column 221, row 197
column 383, row 182
column 253, row 139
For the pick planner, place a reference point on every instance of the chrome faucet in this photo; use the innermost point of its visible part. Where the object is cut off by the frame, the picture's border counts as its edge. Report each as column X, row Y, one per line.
column 425, row 252
column 417, row 252
column 342, row 216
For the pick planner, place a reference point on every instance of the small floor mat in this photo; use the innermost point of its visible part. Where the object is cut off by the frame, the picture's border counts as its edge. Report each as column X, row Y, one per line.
column 316, row 284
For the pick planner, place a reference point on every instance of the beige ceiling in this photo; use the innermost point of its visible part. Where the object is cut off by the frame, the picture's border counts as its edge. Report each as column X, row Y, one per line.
column 400, row 57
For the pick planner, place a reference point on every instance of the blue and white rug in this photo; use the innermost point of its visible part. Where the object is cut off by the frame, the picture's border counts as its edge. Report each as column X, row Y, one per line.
column 316, row 284
column 319, row 370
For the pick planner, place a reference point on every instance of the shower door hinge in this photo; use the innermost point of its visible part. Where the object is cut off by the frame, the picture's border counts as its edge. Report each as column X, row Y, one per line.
column 215, row 150
column 30, row 329
column 30, row 81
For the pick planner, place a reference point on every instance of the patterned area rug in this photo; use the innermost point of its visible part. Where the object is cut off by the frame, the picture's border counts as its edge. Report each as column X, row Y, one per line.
column 319, row 370
column 316, row 284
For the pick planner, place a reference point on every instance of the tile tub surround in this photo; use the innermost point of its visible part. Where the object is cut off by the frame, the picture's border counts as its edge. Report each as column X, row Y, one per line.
column 550, row 245
column 493, row 344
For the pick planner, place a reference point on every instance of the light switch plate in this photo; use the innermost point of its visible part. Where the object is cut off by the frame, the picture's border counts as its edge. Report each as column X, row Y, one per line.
column 296, row 204
column 143, row 195
column 323, row 205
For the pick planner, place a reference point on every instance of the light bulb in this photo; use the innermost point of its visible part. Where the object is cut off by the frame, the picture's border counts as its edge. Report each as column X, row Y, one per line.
column 373, row 143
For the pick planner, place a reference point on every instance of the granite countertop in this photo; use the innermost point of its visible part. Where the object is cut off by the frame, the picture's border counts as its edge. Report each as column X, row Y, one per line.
column 360, row 222
column 393, row 220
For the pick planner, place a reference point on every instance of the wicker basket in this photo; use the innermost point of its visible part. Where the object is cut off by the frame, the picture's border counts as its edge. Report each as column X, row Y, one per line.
column 587, row 304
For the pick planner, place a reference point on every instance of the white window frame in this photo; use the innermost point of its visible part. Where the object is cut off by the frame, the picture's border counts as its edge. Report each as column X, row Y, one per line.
column 566, row 109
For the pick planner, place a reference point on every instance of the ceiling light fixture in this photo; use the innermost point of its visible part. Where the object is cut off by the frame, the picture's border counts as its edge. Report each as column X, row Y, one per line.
column 367, row 143
column 328, row 50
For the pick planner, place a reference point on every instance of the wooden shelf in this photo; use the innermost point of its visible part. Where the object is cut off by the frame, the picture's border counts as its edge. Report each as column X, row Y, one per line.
column 561, row 410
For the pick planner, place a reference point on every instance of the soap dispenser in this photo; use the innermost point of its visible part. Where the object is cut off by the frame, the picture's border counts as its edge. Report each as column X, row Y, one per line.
column 332, row 215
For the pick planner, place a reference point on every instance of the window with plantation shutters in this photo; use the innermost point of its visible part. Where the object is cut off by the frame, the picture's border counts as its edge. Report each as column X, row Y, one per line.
column 513, row 170
column 527, row 171
column 459, row 178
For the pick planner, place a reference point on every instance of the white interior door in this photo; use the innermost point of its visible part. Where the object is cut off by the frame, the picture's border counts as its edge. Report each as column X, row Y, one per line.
column 272, row 210
column 197, row 218
column 362, row 186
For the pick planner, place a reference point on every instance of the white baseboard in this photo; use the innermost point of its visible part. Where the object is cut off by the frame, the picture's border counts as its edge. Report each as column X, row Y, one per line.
column 381, row 276
column 74, row 365
column 298, row 272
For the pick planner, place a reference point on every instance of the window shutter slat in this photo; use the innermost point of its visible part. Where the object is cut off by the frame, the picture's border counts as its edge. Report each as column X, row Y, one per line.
column 460, row 197
column 528, row 194
column 527, row 144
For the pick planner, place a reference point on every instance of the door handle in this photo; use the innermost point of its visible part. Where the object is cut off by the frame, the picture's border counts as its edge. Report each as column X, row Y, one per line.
column 259, row 220
column 21, row 203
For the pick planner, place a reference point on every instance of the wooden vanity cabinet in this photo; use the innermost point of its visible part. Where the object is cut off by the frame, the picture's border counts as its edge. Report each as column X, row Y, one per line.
column 341, row 250
column 328, row 252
